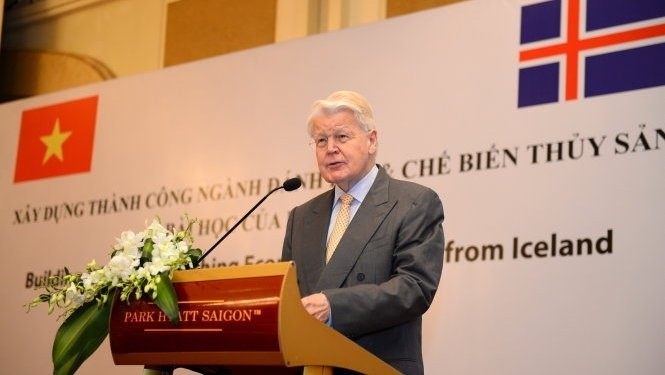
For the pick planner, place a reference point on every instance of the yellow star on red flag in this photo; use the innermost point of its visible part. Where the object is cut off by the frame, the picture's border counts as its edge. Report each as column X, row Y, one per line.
column 54, row 142
column 47, row 150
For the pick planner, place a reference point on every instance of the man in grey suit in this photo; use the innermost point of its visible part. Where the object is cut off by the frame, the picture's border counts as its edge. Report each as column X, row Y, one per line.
column 381, row 277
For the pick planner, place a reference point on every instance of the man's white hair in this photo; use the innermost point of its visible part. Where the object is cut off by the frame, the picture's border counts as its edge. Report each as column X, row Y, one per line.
column 343, row 100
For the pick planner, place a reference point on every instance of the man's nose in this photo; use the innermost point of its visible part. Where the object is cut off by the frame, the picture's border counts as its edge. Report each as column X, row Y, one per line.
column 331, row 146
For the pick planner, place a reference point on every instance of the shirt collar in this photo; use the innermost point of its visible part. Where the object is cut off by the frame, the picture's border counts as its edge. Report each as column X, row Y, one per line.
column 361, row 188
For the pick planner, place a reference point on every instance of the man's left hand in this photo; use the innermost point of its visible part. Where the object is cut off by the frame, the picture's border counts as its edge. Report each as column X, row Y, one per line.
column 318, row 306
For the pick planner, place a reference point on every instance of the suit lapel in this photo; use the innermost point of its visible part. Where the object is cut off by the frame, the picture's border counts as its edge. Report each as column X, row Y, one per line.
column 366, row 221
column 316, row 223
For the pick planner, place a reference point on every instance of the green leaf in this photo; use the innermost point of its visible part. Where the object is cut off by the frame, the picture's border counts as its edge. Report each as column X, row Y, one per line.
column 80, row 335
column 146, row 253
column 194, row 254
column 166, row 299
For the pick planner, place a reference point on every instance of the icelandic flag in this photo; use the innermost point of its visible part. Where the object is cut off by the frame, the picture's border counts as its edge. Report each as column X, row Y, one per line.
column 589, row 48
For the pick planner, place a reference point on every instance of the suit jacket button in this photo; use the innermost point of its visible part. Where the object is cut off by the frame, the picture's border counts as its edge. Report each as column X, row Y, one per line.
column 360, row 277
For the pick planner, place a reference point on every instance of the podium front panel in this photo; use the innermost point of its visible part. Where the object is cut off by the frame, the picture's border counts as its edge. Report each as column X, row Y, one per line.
column 224, row 315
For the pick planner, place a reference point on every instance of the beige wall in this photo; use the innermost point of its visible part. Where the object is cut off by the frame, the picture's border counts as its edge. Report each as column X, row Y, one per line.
column 197, row 29
column 126, row 35
column 134, row 36
column 399, row 7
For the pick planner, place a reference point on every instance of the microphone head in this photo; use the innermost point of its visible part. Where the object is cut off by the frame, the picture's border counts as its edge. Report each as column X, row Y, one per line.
column 292, row 184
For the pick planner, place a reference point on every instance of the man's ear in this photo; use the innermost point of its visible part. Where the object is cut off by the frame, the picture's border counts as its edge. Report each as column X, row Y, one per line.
column 373, row 139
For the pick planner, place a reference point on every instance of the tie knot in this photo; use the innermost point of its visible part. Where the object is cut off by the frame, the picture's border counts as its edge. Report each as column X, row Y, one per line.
column 346, row 199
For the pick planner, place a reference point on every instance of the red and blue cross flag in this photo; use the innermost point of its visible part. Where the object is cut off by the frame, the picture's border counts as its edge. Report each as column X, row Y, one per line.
column 589, row 48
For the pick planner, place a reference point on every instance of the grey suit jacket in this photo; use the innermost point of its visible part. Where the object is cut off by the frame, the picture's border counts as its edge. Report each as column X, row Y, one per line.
column 385, row 270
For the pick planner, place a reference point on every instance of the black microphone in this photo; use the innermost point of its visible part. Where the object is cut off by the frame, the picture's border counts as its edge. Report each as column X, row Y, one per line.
column 288, row 185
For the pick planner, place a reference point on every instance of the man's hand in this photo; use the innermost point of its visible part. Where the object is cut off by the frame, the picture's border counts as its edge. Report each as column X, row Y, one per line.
column 318, row 306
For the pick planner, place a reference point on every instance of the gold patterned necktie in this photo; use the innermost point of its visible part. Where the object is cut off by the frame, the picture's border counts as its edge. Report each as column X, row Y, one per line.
column 341, row 223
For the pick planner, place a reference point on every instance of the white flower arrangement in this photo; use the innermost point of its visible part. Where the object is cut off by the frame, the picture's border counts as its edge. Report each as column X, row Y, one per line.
column 141, row 263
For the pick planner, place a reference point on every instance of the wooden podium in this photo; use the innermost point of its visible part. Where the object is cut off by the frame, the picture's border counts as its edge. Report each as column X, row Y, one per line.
column 240, row 320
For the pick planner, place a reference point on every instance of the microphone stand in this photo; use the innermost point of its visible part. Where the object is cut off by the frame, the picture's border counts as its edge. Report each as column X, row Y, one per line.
column 235, row 225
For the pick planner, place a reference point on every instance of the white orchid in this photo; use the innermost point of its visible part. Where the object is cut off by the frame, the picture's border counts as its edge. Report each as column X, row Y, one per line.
column 155, row 268
column 130, row 243
column 155, row 228
column 137, row 261
column 73, row 297
column 141, row 263
column 120, row 267
column 92, row 278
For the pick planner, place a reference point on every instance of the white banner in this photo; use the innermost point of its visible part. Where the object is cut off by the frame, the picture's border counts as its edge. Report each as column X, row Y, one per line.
column 552, row 192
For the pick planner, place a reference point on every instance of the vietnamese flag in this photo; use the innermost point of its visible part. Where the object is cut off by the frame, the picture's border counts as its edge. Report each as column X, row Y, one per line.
column 56, row 140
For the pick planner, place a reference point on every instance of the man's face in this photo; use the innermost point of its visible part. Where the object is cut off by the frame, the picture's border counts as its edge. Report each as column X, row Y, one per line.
column 345, row 152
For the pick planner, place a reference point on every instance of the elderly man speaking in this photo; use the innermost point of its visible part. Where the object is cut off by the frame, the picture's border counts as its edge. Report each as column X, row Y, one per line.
column 368, row 253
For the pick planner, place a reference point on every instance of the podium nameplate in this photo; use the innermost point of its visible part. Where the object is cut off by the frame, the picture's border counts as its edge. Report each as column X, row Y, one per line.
column 219, row 315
